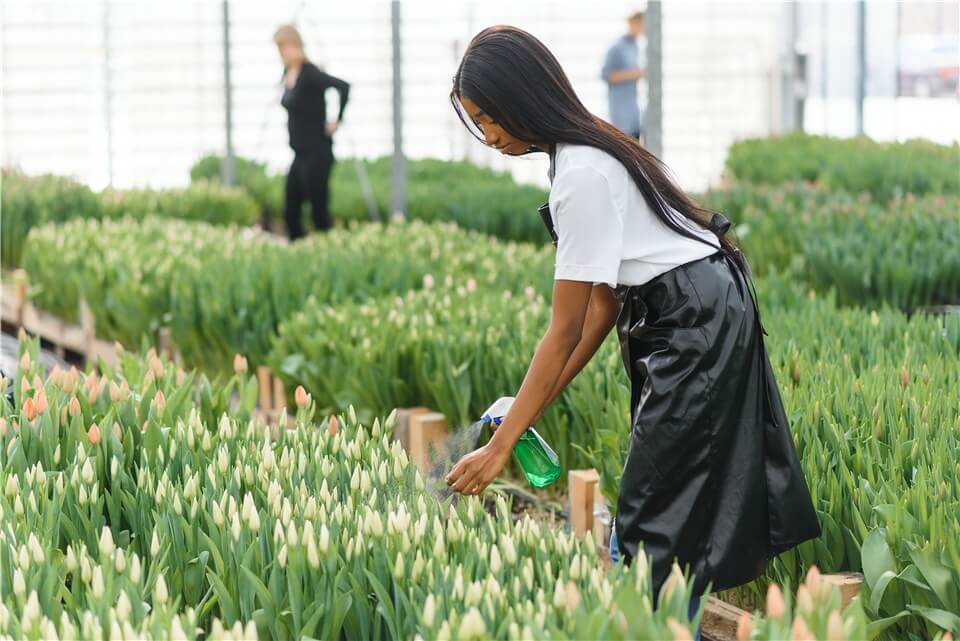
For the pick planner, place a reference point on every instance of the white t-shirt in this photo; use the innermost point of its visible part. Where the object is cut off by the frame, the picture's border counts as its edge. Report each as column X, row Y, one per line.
column 606, row 232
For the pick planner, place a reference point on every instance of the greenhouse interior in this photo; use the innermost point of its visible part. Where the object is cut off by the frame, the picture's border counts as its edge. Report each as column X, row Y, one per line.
column 406, row 319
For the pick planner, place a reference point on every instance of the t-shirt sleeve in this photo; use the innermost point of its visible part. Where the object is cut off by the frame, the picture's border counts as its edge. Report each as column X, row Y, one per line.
column 613, row 61
column 589, row 227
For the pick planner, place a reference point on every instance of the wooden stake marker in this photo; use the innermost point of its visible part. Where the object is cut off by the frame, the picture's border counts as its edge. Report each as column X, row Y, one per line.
column 427, row 435
column 402, row 430
column 279, row 395
column 582, row 486
column 719, row 622
column 266, row 388
column 847, row 582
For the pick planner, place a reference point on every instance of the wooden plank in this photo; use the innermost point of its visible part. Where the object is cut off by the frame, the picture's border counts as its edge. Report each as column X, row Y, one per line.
column 428, row 434
column 279, row 395
column 266, row 388
column 402, row 431
column 20, row 296
column 581, row 490
column 165, row 343
column 847, row 582
column 720, row 619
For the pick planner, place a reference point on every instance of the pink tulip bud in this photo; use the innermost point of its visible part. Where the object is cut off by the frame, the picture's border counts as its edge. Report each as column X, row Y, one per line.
column 813, row 581
column 333, row 426
column 301, row 396
column 156, row 366
column 91, row 381
column 25, row 362
column 70, row 380
column 93, row 434
column 471, row 285
column 428, row 281
column 93, row 393
column 680, row 632
column 744, row 627
column 160, row 402
column 800, row 632
column 240, row 364
column 775, row 605
column 56, row 376
column 835, row 627
column 530, row 293
column 29, row 409
column 115, row 392
column 74, row 407
column 40, row 402
column 24, row 386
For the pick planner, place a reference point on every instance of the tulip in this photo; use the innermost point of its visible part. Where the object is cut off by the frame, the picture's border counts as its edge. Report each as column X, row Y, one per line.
column 19, row 584
column 472, row 625
column 800, row 632
column 96, row 585
column 123, row 607
column 680, row 632
column 155, row 544
column 804, row 600
column 775, row 605
column 160, row 591
column 814, row 583
column 240, row 364
column 429, row 610
column 159, row 402
column 301, row 397
column 93, row 434
column 835, row 627
column 40, row 402
column 106, row 544
column 744, row 627
column 74, row 407
column 135, row 569
column 29, row 409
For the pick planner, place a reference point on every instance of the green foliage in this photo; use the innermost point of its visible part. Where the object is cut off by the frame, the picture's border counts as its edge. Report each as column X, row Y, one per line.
column 249, row 175
column 901, row 253
column 30, row 201
column 884, row 170
column 203, row 201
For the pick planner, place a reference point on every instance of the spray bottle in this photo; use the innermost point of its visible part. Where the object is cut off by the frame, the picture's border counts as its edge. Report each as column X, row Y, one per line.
column 540, row 464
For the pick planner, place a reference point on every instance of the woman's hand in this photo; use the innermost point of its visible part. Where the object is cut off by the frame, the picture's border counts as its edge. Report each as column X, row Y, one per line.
column 332, row 128
column 474, row 472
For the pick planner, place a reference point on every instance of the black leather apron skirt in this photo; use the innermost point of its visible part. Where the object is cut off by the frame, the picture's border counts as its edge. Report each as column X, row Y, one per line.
column 712, row 478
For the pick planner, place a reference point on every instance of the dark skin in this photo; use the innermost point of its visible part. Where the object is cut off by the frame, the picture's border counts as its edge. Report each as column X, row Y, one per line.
column 581, row 317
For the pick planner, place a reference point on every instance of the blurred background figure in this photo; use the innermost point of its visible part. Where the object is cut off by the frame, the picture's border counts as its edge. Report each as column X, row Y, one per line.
column 311, row 136
column 623, row 69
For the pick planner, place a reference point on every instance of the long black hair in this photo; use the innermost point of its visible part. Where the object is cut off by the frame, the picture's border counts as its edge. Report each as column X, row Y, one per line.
column 519, row 83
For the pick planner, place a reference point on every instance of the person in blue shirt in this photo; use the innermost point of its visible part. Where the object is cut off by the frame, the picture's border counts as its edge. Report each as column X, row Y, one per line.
column 623, row 69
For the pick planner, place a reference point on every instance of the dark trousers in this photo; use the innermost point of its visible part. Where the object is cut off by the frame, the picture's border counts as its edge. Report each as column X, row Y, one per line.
column 309, row 179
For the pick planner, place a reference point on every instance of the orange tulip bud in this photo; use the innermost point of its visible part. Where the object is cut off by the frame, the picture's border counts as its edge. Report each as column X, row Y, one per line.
column 40, row 403
column 776, row 608
column 744, row 627
column 240, row 364
column 93, row 434
column 301, row 396
column 74, row 407
column 333, row 426
column 29, row 409
column 160, row 401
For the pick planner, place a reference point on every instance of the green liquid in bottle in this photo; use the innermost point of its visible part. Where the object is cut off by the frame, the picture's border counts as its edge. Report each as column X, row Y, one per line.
column 540, row 464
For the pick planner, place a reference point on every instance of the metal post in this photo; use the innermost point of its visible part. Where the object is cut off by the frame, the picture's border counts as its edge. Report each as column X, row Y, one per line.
column 227, row 170
column 788, row 75
column 861, row 62
column 398, row 184
column 107, row 91
column 653, row 120
column 824, row 58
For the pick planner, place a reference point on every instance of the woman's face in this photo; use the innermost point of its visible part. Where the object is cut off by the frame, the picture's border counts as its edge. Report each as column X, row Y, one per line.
column 493, row 134
column 290, row 54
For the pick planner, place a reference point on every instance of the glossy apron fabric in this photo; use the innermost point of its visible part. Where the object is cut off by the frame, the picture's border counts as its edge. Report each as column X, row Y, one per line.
column 712, row 478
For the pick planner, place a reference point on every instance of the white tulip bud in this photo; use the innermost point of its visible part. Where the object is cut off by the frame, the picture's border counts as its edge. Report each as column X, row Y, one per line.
column 473, row 595
column 120, row 562
column 398, row 567
column 495, row 560
column 217, row 514
column 313, row 557
column 135, row 568
column 324, row 539
column 71, row 560
column 235, row 526
column 429, row 610
column 96, row 585
column 160, row 591
column 106, row 544
column 154, row 544
column 19, row 584
column 123, row 607
column 282, row 556
column 31, row 611
column 86, row 472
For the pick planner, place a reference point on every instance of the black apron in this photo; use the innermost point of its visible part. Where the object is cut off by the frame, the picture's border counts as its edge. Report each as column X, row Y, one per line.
column 712, row 477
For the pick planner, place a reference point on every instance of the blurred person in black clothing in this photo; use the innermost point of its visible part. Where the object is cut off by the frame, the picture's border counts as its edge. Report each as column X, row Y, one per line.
column 311, row 136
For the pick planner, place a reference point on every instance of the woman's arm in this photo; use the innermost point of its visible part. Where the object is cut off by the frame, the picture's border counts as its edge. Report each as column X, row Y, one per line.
column 601, row 317
column 571, row 301
column 342, row 87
